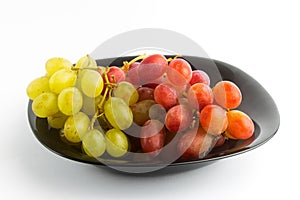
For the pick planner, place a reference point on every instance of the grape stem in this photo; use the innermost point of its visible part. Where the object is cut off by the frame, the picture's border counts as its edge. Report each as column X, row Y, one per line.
column 170, row 59
column 107, row 88
column 100, row 109
column 127, row 64
column 93, row 120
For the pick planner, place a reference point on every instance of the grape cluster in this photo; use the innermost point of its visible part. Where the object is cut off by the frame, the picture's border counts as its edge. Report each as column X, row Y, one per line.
column 149, row 99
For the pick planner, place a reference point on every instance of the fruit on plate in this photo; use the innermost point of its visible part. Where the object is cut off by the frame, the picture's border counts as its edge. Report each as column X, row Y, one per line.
column 146, row 104
column 194, row 143
column 227, row 94
column 240, row 126
column 152, row 137
column 213, row 119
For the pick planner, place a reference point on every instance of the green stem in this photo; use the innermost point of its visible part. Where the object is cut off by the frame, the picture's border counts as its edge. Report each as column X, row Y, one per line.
column 126, row 64
column 170, row 59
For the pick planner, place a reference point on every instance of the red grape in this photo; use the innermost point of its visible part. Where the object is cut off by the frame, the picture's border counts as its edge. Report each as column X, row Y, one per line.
column 178, row 118
column 199, row 76
column 193, row 144
column 227, row 94
column 165, row 95
column 240, row 125
column 153, row 137
column 213, row 119
column 200, row 95
column 179, row 72
column 145, row 93
column 152, row 68
column 115, row 75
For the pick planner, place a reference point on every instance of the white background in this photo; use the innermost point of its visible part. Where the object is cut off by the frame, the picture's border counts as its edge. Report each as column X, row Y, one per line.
column 259, row 37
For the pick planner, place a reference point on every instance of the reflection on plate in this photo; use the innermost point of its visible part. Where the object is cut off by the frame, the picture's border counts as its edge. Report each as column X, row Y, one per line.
column 257, row 103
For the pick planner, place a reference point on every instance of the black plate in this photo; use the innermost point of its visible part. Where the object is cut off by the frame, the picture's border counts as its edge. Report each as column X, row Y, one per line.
column 257, row 103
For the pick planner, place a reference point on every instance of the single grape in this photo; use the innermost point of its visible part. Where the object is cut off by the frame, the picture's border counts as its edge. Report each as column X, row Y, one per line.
column 57, row 120
column 165, row 95
column 62, row 79
column 90, row 105
column 116, row 143
column 199, row 95
column 118, row 113
column 153, row 136
column 213, row 119
column 76, row 126
column 240, row 125
column 127, row 92
column 55, row 64
column 91, row 83
column 37, row 87
column 86, row 62
column 145, row 93
column 179, row 72
column 199, row 76
column 227, row 94
column 178, row 118
column 140, row 111
column 70, row 101
column 194, row 144
column 45, row 105
column 94, row 143
column 115, row 75
column 151, row 68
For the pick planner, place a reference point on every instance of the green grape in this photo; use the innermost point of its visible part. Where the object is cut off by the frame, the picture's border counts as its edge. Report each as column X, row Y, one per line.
column 116, row 143
column 70, row 101
column 80, row 74
column 127, row 92
column 118, row 113
column 57, row 120
column 55, row 64
column 45, row 105
column 76, row 126
column 86, row 62
column 90, row 104
column 91, row 83
column 37, row 87
column 94, row 143
column 62, row 79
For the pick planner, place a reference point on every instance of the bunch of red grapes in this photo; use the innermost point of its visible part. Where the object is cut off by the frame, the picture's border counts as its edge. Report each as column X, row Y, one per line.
column 174, row 99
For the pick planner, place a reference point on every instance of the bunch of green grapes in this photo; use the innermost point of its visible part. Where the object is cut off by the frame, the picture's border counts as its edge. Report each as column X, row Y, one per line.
column 74, row 97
